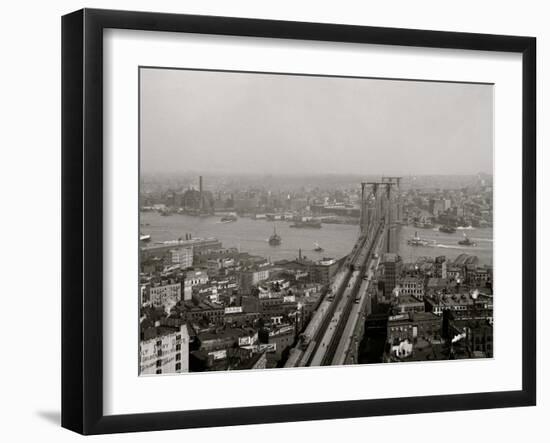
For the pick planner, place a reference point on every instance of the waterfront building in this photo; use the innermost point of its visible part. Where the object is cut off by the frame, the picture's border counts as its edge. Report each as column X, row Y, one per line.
column 182, row 257
column 244, row 204
column 198, row 245
column 437, row 206
column 298, row 204
column 337, row 209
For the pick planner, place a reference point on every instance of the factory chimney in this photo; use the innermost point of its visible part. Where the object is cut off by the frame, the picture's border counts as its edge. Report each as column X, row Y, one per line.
column 201, row 207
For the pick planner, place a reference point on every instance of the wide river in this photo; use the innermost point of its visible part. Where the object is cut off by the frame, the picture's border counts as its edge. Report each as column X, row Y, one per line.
column 447, row 244
column 336, row 239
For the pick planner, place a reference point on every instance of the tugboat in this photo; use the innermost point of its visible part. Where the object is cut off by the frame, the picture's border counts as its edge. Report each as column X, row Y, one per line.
column 466, row 241
column 318, row 247
column 228, row 218
column 447, row 229
column 275, row 239
column 417, row 241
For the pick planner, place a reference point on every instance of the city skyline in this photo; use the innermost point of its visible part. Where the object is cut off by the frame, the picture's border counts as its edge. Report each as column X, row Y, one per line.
column 233, row 122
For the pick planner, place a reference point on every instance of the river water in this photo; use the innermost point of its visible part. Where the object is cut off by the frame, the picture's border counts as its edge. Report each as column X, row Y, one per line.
column 251, row 235
column 447, row 244
column 337, row 239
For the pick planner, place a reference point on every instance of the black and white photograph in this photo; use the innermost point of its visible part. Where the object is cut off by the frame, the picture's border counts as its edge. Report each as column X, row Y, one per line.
column 275, row 221
column 290, row 220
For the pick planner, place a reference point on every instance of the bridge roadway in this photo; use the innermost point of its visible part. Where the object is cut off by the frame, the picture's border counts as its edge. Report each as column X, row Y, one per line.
column 318, row 343
column 309, row 339
column 332, row 336
column 357, row 311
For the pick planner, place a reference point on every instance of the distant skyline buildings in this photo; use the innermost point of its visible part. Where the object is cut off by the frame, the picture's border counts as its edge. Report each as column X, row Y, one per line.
column 296, row 182
column 242, row 123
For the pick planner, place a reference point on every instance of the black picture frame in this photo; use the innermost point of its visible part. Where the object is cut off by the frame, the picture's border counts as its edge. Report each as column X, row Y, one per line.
column 82, row 218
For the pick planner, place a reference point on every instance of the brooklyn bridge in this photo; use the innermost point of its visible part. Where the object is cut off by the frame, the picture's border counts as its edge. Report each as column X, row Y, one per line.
column 335, row 330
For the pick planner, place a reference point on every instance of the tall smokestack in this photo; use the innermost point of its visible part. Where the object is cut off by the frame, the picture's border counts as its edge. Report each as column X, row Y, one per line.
column 399, row 208
column 362, row 213
column 200, row 193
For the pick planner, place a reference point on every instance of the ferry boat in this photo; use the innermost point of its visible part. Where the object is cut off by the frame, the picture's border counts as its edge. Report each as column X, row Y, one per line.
column 447, row 229
column 466, row 241
column 318, row 247
column 417, row 241
column 144, row 237
column 275, row 238
column 314, row 224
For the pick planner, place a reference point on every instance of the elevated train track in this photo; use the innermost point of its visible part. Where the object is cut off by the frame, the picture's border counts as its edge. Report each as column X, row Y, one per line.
column 309, row 340
column 328, row 337
column 332, row 337
column 317, row 344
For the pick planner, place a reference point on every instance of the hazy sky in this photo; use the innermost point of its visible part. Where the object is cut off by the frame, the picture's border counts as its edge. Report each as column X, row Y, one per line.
column 238, row 122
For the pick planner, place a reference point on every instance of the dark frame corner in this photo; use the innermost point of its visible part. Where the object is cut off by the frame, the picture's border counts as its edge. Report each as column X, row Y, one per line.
column 82, row 151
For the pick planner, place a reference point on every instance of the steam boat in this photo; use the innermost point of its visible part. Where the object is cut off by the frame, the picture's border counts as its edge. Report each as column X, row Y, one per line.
column 314, row 224
column 447, row 229
column 275, row 238
column 318, row 247
column 417, row 241
column 466, row 241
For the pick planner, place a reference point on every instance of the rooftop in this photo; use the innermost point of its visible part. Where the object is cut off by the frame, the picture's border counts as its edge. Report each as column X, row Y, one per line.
column 225, row 333
column 413, row 317
column 172, row 243
column 465, row 259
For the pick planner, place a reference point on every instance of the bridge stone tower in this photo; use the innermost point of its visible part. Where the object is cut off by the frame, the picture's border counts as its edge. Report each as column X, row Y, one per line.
column 393, row 213
column 371, row 206
column 379, row 206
